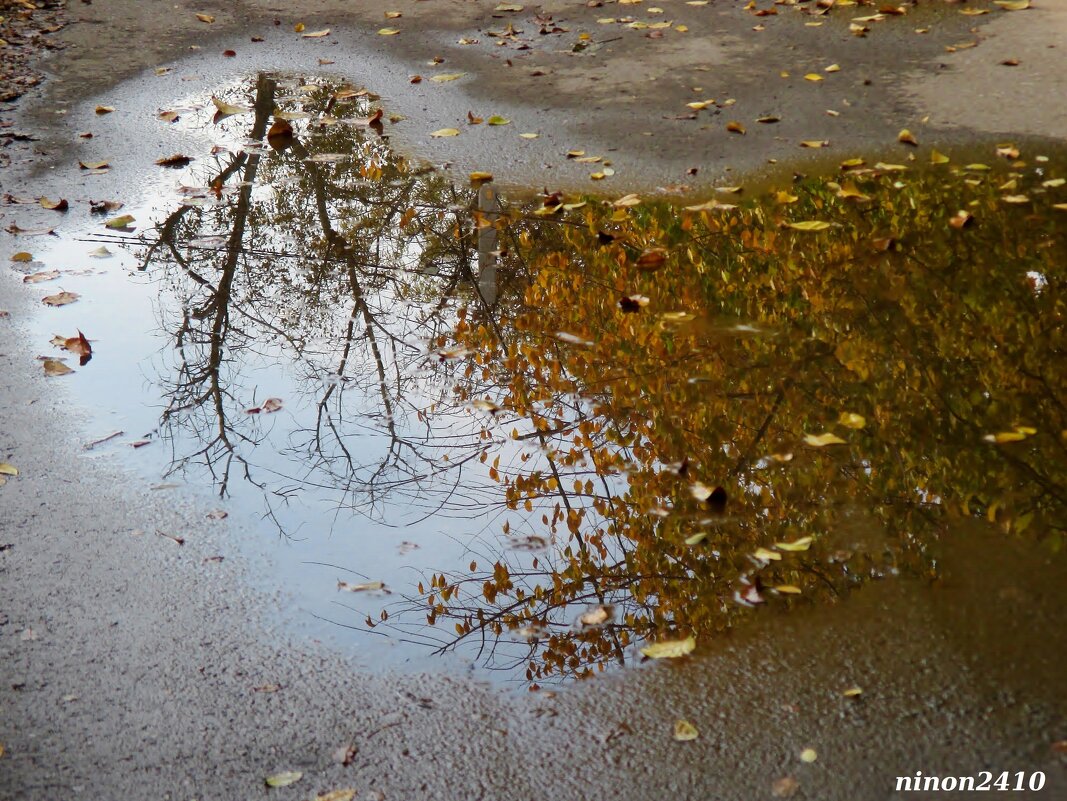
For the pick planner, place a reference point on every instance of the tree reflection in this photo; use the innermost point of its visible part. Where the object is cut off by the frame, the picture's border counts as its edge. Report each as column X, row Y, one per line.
column 638, row 394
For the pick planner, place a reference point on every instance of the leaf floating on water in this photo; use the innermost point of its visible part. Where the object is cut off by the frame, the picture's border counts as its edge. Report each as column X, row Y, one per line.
column 962, row 219
column 1013, row 5
column 735, row 127
column 22, row 256
column 574, row 339
column 104, row 109
column 442, row 132
column 78, row 345
column 93, row 165
column 808, row 225
column 207, row 18
column 850, row 420
column 685, row 731
column 822, row 440
column 271, row 405
column 7, row 469
column 120, row 222
column 906, row 137
column 366, row 586
column 101, row 253
column 796, row 545
column 496, row 119
column 808, row 755
column 283, row 779
column 852, row 692
column 938, row 158
column 54, row 205
column 765, row 555
column 60, row 299
column 43, row 275
column 788, row 589
column 226, row 109
column 670, row 649
column 444, row 77
column 317, row 34
column 652, row 259
column 478, row 178
column 388, row 31
column 176, row 160
column 697, row 538
column 596, row 616
column 1017, row 435
column 54, row 367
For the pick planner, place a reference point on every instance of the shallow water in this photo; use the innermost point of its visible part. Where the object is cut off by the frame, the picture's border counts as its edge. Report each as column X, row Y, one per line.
column 559, row 430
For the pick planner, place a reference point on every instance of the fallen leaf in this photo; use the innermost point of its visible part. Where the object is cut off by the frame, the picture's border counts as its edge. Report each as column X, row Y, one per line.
column 788, row 589
column 906, row 137
column 496, row 119
column 1013, row 5
column 345, row 794
column 1018, row 435
column 852, row 692
column 78, row 345
column 808, row 755
column 120, row 222
column 271, row 405
column 735, row 127
column 447, row 76
column 813, row 76
column 808, row 225
column 317, row 34
column 685, row 731
column 7, row 469
column 670, row 649
column 176, row 160
column 22, row 256
column 44, row 275
column 961, row 220
column 205, row 18
column 652, row 259
column 938, row 158
column 225, row 109
column 528, row 135
column 60, row 299
column 784, row 787
column 93, row 165
column 104, row 109
column 850, row 420
column 388, row 31
column 815, row 143
column 101, row 253
column 480, row 177
column 765, row 555
column 441, row 132
column 822, row 440
column 801, row 544
column 54, row 205
column 366, row 586
column 217, row 514
column 54, row 367
column 284, row 779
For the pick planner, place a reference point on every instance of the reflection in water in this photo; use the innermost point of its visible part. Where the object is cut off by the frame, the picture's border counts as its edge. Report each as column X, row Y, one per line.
column 664, row 416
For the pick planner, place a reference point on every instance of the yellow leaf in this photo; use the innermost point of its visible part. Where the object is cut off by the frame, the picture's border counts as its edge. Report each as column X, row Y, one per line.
column 1013, row 5
column 8, row 469
column 852, row 692
column 735, row 127
column 795, row 546
column 299, row 27
column 284, row 779
column 528, row 135
column 833, row 68
column 447, row 76
column 481, row 177
column 813, row 76
column 22, row 256
column 816, row 143
column 684, row 731
column 808, row 755
column 809, row 225
column 822, row 440
column 496, row 119
column 788, row 589
column 388, row 31
column 317, row 34
column 55, row 367
column 228, row 108
column 850, row 420
column 938, row 158
column 906, row 137
column 670, row 649
column 440, row 132
column 766, row 555
column 205, row 18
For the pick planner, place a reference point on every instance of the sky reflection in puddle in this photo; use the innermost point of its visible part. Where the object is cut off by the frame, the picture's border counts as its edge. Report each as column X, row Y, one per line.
column 558, row 431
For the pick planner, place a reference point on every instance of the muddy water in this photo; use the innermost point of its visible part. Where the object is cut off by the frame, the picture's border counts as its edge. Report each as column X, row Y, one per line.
column 537, row 436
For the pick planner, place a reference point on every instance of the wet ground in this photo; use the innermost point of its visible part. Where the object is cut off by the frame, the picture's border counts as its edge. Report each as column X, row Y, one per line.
column 810, row 425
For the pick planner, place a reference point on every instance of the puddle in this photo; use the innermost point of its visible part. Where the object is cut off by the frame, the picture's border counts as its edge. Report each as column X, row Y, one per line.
column 538, row 435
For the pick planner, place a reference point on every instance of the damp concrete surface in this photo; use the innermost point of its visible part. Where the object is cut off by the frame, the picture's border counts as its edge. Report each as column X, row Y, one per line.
column 134, row 667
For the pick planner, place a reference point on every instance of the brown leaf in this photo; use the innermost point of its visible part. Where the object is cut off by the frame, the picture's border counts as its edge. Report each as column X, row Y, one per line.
column 44, row 275
column 177, row 160
column 54, row 367
column 60, row 299
column 54, row 205
column 735, row 127
column 651, row 259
